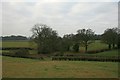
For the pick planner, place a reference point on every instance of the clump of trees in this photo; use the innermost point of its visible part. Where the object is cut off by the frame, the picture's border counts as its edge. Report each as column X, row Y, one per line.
column 48, row 40
column 85, row 37
column 111, row 37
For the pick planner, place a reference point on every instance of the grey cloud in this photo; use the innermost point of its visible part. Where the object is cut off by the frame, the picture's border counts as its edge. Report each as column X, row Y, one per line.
column 65, row 17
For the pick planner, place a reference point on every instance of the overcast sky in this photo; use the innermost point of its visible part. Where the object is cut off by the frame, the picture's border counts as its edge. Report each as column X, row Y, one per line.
column 66, row 17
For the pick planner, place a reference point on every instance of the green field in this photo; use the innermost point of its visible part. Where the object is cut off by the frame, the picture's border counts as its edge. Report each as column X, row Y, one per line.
column 97, row 45
column 94, row 46
column 18, row 44
column 22, row 68
column 106, row 53
column 1, row 66
column 27, row 44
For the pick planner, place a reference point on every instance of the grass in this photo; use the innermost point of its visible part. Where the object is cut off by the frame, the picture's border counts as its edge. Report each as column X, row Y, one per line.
column 18, row 44
column 97, row 45
column 108, row 53
column 0, row 66
column 22, row 68
column 94, row 46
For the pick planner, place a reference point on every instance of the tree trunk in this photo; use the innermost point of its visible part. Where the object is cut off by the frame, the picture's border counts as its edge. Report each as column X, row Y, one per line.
column 86, row 46
column 118, row 46
column 109, row 46
column 113, row 46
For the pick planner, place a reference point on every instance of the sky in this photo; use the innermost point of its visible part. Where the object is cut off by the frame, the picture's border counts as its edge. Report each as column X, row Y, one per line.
column 18, row 17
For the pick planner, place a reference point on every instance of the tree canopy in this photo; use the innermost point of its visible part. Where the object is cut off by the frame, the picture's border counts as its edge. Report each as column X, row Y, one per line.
column 110, row 37
column 48, row 40
column 85, row 37
column 45, row 37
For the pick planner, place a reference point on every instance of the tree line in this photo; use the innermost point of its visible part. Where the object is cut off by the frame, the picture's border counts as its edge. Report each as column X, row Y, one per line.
column 13, row 37
column 48, row 40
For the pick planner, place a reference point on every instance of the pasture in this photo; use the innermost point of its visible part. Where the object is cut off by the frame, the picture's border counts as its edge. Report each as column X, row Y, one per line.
column 106, row 53
column 27, row 44
column 30, row 68
column 18, row 44
column 97, row 45
column 22, row 68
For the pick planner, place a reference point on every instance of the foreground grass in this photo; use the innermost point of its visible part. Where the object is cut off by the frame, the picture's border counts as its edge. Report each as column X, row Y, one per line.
column 0, row 66
column 22, row 68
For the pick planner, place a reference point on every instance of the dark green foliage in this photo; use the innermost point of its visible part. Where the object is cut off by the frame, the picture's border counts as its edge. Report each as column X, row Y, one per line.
column 46, row 38
column 76, row 47
column 111, row 37
column 85, row 37
column 12, row 37
column 87, row 58
column 16, row 48
column 21, row 52
column 97, row 37
column 67, row 42
column 118, row 41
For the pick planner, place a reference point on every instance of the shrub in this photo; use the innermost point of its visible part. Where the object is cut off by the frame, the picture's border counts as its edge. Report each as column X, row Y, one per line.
column 21, row 52
column 76, row 47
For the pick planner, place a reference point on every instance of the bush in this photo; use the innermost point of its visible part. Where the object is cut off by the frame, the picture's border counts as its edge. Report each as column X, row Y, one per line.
column 21, row 52
column 76, row 47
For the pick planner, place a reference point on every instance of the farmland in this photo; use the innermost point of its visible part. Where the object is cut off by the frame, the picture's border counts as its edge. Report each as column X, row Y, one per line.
column 30, row 68
column 22, row 68
column 94, row 46
column 17, row 44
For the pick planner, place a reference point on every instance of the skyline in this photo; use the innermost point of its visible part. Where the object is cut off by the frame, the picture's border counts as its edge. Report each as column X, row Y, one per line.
column 64, row 17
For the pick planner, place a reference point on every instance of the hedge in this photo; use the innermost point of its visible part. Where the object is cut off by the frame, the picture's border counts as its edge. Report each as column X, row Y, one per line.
column 87, row 58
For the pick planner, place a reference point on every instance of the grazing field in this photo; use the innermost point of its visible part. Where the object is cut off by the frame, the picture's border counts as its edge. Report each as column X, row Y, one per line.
column 27, row 44
column 22, row 68
column 106, row 53
column 17, row 44
column 0, row 66
column 97, row 45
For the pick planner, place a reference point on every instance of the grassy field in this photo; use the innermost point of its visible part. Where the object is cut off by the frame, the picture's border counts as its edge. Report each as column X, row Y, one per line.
column 94, row 46
column 106, row 53
column 22, row 68
column 18, row 44
column 97, row 45
column 0, row 66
